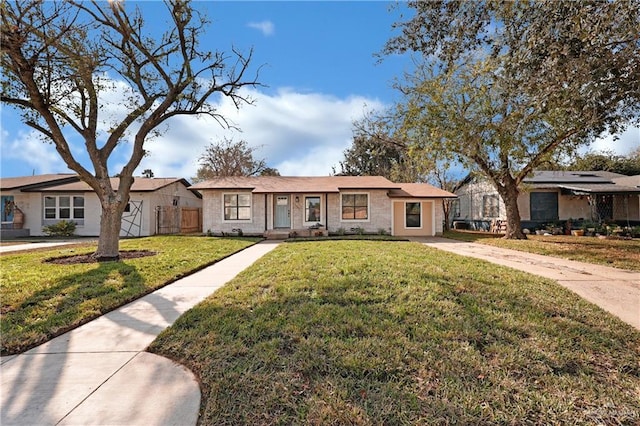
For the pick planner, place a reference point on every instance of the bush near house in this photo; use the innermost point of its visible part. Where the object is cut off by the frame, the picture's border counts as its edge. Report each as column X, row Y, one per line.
column 64, row 228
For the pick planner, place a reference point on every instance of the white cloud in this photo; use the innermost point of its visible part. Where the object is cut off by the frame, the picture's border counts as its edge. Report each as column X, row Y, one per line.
column 297, row 133
column 29, row 149
column 300, row 134
column 266, row 27
column 626, row 142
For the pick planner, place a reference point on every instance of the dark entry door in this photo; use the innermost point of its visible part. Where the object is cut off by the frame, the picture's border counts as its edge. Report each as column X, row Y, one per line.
column 544, row 206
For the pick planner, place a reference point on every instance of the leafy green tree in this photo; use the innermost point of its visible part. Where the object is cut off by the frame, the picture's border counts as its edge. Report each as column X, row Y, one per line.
column 378, row 150
column 506, row 86
column 608, row 161
column 229, row 158
column 59, row 59
column 381, row 148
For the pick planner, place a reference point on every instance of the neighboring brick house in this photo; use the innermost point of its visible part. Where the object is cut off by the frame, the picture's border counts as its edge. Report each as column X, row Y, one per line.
column 279, row 206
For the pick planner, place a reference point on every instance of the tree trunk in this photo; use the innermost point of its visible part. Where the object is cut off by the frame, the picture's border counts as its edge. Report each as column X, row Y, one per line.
column 109, row 241
column 446, row 209
column 509, row 193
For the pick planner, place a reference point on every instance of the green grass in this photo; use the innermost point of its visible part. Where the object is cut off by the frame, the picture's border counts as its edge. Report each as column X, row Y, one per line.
column 618, row 253
column 41, row 300
column 362, row 332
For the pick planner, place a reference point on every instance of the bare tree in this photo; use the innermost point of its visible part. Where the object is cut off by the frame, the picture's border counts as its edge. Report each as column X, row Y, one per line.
column 59, row 58
column 229, row 158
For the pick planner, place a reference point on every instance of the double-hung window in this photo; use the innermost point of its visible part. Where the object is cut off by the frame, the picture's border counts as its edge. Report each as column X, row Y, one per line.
column 355, row 206
column 455, row 208
column 312, row 209
column 412, row 215
column 490, row 206
column 63, row 207
column 237, row 206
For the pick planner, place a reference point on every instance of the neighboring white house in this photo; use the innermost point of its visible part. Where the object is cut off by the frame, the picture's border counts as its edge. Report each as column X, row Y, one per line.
column 156, row 205
column 279, row 205
column 549, row 196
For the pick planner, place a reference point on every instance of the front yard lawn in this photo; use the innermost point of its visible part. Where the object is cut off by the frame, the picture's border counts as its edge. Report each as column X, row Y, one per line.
column 41, row 300
column 618, row 253
column 361, row 333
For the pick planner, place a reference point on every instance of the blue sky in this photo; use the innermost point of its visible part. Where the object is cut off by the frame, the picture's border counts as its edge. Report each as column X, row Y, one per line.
column 320, row 73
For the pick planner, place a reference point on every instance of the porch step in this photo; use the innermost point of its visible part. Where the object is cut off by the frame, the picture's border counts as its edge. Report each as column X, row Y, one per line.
column 283, row 234
column 276, row 234
column 7, row 234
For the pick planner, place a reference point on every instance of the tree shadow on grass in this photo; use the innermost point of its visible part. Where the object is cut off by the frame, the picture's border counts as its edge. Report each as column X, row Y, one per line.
column 72, row 301
column 44, row 385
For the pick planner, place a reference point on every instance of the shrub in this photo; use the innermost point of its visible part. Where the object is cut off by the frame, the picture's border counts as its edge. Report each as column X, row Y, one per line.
column 64, row 228
column 358, row 230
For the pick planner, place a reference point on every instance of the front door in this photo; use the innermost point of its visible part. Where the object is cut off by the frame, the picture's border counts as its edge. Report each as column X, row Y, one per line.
column 7, row 208
column 282, row 214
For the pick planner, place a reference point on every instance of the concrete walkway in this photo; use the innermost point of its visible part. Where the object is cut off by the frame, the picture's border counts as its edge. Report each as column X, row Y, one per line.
column 99, row 374
column 614, row 290
column 39, row 245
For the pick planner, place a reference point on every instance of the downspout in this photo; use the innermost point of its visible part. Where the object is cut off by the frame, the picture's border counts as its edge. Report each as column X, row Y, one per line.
column 265, row 212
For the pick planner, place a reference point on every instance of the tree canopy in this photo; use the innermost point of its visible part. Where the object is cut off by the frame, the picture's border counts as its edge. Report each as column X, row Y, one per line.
column 61, row 59
column 229, row 158
column 505, row 86
column 607, row 161
column 378, row 149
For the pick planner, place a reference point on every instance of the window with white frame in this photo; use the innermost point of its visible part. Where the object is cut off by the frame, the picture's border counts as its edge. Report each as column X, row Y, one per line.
column 490, row 205
column 63, row 207
column 355, row 206
column 413, row 215
column 237, row 206
column 312, row 209
column 455, row 208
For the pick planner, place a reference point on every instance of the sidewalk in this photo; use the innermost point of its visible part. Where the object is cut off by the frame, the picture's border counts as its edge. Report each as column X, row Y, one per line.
column 99, row 374
column 614, row 290
column 38, row 245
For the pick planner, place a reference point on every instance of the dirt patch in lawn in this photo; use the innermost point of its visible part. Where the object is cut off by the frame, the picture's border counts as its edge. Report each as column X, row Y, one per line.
column 90, row 257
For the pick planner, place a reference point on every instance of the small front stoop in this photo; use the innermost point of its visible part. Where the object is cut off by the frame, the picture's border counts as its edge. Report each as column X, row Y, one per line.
column 276, row 234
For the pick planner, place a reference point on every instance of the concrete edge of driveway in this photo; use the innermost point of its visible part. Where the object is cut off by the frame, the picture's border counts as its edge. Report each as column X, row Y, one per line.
column 617, row 291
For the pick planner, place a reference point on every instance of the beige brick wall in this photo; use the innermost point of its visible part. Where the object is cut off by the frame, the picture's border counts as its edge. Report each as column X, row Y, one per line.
column 379, row 213
column 212, row 213
column 438, row 211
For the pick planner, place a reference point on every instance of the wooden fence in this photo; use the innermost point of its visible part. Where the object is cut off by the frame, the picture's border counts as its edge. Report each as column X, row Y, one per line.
column 173, row 220
column 190, row 220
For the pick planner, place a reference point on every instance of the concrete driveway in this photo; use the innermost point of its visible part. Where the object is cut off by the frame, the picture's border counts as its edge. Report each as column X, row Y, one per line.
column 614, row 290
